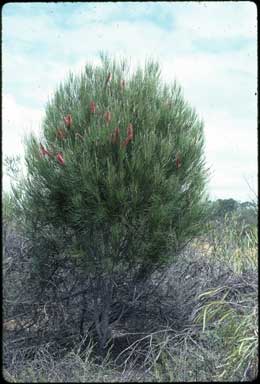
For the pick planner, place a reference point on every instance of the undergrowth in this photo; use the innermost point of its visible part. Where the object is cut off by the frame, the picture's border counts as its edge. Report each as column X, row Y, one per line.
column 214, row 335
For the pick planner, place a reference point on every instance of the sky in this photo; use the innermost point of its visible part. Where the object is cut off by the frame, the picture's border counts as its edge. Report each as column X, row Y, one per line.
column 209, row 48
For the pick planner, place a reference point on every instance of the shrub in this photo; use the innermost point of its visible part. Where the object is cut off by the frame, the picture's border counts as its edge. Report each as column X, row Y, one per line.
column 118, row 176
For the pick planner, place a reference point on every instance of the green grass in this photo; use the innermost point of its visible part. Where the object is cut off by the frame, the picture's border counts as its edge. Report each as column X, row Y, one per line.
column 234, row 243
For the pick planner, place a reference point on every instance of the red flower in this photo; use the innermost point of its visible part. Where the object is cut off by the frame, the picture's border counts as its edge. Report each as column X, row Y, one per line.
column 125, row 142
column 60, row 159
column 68, row 120
column 92, row 107
column 44, row 151
column 60, row 134
column 178, row 162
column 117, row 132
column 130, row 131
column 109, row 78
column 108, row 117
column 130, row 135
column 122, row 84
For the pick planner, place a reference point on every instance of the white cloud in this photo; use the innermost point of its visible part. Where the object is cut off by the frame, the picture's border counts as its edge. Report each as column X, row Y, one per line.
column 215, row 19
column 27, row 28
column 233, row 180
column 18, row 121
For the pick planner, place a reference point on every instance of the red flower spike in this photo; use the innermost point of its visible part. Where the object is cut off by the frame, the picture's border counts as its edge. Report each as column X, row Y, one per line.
column 130, row 132
column 109, row 78
column 44, row 151
column 107, row 117
column 178, row 162
column 92, row 107
column 122, row 84
column 117, row 133
column 125, row 142
column 68, row 121
column 60, row 159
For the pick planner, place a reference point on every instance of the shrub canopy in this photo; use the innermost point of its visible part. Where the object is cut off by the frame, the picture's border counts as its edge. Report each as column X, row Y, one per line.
column 119, row 167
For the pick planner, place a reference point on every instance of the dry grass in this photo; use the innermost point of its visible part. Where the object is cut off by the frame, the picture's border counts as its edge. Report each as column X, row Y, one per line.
column 203, row 325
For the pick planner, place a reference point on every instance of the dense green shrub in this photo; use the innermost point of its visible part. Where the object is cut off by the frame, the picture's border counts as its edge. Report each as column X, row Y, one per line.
column 119, row 172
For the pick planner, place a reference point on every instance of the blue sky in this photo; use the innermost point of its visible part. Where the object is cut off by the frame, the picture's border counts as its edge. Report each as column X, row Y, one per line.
column 208, row 47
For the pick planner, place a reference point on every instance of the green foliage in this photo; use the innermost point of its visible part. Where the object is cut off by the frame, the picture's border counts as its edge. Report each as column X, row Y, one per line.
column 248, row 212
column 224, row 206
column 12, row 166
column 12, row 169
column 8, row 207
column 129, row 195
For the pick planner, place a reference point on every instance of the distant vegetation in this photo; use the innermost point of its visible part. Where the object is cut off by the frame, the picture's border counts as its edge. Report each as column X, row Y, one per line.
column 246, row 211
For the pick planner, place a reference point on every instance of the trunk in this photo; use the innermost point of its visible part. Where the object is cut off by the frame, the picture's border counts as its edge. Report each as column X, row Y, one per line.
column 103, row 331
column 84, row 308
column 103, row 303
